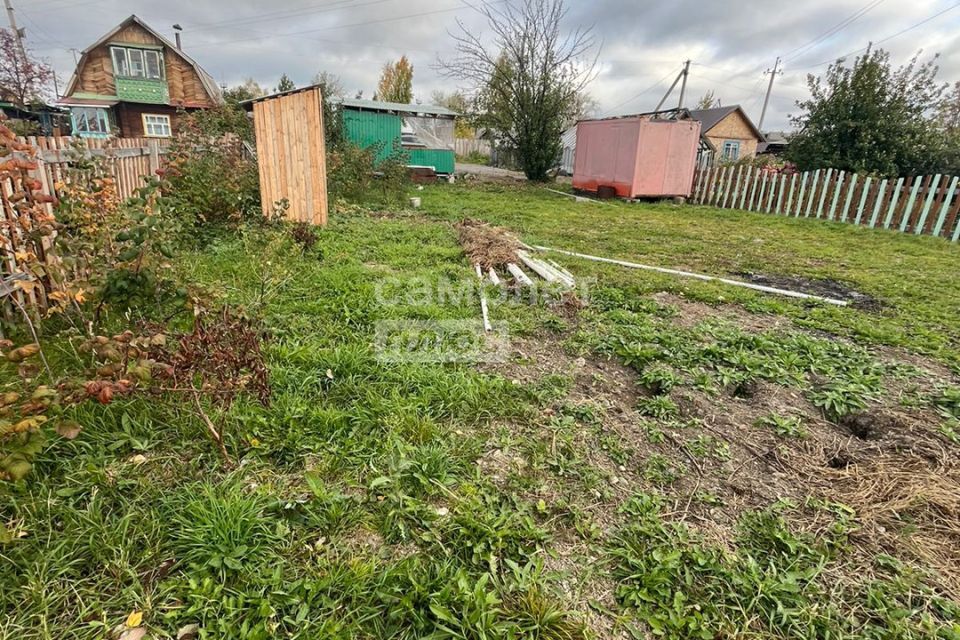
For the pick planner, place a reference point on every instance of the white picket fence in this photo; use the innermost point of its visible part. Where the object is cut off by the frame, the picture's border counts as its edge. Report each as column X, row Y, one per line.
column 922, row 205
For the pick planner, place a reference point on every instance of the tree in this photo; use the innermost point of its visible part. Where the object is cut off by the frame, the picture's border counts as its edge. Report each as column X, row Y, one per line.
column 708, row 101
column 24, row 80
column 871, row 118
column 396, row 82
column 947, row 121
column 459, row 103
column 529, row 81
column 249, row 90
column 331, row 90
column 330, row 84
column 285, row 84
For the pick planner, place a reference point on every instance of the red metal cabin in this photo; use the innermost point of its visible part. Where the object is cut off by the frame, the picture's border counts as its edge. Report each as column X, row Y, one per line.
column 640, row 156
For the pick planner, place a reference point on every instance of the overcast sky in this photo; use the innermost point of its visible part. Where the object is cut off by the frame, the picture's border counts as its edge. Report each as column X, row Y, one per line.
column 642, row 44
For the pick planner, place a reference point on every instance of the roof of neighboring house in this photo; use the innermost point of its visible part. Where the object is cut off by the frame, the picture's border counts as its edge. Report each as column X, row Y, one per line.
column 775, row 140
column 209, row 84
column 664, row 114
column 709, row 118
column 377, row 105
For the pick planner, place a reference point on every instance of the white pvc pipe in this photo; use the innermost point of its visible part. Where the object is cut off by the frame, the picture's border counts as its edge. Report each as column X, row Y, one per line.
column 483, row 301
column 698, row 276
column 494, row 278
column 520, row 276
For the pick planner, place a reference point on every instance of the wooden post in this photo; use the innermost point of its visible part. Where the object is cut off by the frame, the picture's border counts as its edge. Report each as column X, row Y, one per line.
column 154, row 150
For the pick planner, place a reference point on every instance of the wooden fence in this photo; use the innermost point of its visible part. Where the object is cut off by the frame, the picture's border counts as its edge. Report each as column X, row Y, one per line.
column 466, row 146
column 922, row 205
column 128, row 160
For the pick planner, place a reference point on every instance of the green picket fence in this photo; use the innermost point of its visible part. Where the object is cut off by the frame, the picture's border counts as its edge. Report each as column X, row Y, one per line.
column 922, row 205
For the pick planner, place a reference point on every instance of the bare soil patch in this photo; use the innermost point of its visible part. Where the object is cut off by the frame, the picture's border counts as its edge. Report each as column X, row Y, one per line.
column 816, row 286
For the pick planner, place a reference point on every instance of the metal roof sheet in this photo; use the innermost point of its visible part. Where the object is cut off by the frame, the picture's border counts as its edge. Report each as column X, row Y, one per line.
column 377, row 105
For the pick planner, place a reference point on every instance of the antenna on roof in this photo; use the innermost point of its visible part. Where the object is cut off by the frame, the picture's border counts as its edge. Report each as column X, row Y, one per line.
column 178, row 29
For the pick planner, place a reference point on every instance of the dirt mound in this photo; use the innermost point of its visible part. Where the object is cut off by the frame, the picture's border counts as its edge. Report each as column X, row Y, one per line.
column 816, row 286
column 486, row 245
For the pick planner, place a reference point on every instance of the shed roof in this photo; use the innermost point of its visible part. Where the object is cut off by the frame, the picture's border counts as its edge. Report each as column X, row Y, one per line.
column 377, row 105
column 709, row 118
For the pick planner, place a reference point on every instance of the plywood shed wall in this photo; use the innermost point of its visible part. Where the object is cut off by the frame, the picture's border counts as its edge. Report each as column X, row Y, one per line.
column 291, row 155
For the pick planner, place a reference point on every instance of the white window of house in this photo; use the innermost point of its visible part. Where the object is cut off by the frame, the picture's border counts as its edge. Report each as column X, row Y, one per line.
column 153, row 66
column 129, row 62
column 120, row 66
column 135, row 58
column 90, row 121
column 156, row 126
column 731, row 150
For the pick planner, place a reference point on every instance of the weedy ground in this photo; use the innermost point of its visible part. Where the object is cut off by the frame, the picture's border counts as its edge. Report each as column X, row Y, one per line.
column 677, row 459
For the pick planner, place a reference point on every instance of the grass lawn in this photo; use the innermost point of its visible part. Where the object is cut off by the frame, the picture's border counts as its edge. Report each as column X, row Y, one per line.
column 677, row 459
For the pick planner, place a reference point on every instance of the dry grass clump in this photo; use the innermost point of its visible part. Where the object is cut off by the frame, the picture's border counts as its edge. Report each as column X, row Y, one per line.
column 906, row 504
column 486, row 245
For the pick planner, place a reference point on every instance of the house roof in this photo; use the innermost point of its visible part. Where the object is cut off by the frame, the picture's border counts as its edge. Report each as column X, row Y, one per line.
column 209, row 84
column 709, row 118
column 377, row 105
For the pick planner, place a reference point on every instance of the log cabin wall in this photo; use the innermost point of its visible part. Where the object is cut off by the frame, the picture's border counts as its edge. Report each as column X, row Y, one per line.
column 183, row 82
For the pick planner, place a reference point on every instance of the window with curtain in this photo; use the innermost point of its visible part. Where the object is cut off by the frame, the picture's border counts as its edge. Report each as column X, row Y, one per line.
column 90, row 121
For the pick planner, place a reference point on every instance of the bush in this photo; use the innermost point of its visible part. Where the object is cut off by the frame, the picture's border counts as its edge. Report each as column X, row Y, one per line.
column 208, row 179
column 355, row 175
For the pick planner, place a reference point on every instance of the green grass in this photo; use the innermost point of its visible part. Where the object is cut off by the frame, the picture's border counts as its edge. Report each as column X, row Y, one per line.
column 380, row 500
column 912, row 276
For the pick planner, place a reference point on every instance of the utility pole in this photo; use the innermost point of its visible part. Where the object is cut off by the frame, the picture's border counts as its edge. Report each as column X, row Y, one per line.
column 683, row 86
column 766, row 101
column 17, row 33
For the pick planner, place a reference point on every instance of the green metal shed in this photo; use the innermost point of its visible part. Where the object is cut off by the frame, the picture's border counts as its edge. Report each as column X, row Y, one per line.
column 368, row 123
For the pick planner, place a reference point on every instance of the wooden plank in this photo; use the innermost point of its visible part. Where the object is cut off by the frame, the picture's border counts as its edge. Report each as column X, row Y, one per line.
column 758, row 206
column 734, row 189
column 747, row 182
column 790, row 193
column 894, row 199
column 753, row 191
column 716, row 186
column 878, row 203
column 848, row 201
column 823, row 193
column 931, row 194
column 783, row 185
column 842, row 179
column 814, row 187
column 953, row 219
column 945, row 207
column 907, row 213
column 864, row 195
column 803, row 190
column 773, row 189
column 726, row 191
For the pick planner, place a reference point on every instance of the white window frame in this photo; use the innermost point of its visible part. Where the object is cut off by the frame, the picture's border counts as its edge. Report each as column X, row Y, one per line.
column 156, row 125
column 731, row 150
column 123, row 61
column 83, row 115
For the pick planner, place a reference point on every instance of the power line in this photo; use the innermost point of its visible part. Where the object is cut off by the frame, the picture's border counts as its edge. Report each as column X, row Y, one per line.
column 644, row 92
column 343, row 26
column 843, row 24
column 888, row 38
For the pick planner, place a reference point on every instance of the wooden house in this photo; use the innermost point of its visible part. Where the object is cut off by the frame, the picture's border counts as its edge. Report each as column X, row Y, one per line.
column 133, row 82
column 729, row 133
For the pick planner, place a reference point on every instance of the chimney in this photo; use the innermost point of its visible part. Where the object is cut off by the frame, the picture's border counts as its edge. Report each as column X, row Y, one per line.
column 177, row 28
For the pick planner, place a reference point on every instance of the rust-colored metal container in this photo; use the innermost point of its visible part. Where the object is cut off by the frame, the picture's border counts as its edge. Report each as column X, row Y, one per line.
column 637, row 156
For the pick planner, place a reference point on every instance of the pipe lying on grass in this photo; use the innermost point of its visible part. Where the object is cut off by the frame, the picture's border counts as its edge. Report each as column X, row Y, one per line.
column 519, row 275
column 698, row 276
column 483, row 301
column 545, row 271
column 494, row 278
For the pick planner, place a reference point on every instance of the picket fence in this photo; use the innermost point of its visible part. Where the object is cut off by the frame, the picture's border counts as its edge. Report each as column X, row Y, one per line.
column 128, row 161
column 922, row 205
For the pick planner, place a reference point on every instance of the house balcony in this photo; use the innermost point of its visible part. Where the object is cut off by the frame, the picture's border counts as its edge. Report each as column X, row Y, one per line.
column 143, row 91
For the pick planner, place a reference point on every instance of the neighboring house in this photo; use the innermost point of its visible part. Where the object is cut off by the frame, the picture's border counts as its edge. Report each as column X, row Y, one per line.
column 133, row 82
column 568, row 144
column 776, row 143
column 729, row 133
column 425, row 132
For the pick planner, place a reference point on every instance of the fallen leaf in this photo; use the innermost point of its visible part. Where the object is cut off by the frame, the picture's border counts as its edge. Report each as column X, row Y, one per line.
column 188, row 632
column 69, row 429
column 138, row 459
column 135, row 619
column 330, row 373
column 137, row 633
